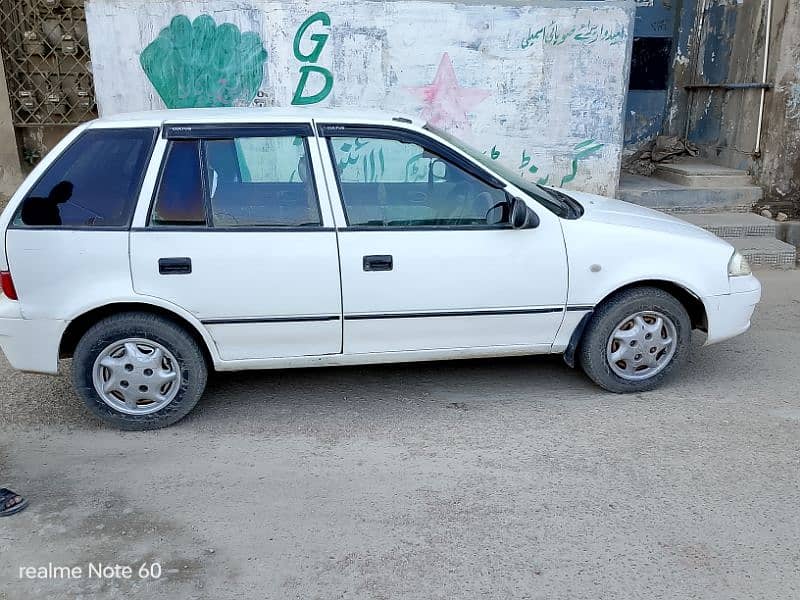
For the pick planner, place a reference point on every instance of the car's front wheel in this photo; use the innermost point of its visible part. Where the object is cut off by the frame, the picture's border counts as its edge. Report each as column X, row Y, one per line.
column 139, row 371
column 635, row 339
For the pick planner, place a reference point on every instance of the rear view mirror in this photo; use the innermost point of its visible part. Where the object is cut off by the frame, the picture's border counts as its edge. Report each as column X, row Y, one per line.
column 522, row 217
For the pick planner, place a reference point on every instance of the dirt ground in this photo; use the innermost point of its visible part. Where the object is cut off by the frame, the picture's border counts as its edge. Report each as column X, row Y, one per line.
column 482, row 479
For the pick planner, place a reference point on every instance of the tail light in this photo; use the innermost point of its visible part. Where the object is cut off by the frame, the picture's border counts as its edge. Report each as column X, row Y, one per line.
column 8, row 285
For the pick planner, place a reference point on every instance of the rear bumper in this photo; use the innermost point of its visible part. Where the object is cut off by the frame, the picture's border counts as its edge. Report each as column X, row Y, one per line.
column 29, row 345
column 729, row 314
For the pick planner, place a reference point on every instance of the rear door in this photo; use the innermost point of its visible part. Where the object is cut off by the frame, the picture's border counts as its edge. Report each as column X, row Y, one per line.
column 240, row 234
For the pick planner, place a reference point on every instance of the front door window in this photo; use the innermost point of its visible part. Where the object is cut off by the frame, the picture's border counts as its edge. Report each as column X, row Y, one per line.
column 393, row 183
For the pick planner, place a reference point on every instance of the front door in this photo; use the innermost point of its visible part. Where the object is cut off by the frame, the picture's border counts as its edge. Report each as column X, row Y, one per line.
column 421, row 267
column 237, row 235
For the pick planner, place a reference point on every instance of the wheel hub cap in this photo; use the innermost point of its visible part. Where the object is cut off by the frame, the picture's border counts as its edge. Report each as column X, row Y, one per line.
column 641, row 345
column 136, row 376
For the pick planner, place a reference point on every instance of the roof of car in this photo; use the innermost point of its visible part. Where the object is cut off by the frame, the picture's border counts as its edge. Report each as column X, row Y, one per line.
column 253, row 115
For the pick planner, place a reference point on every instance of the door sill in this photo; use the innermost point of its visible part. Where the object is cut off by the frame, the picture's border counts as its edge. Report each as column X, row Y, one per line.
column 367, row 358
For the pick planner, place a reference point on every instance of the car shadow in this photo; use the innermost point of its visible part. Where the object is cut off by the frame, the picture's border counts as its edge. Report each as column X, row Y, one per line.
column 310, row 398
column 380, row 389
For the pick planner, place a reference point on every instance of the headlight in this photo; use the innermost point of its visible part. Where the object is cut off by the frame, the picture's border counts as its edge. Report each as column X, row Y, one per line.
column 738, row 266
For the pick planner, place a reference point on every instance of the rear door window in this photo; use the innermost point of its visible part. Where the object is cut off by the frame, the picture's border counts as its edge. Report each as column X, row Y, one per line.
column 261, row 182
column 94, row 183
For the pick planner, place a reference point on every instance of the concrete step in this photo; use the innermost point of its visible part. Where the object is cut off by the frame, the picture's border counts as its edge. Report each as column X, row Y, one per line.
column 653, row 192
column 697, row 173
column 734, row 225
column 766, row 252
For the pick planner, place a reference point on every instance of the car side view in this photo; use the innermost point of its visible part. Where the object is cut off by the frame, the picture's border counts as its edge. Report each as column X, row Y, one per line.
column 152, row 248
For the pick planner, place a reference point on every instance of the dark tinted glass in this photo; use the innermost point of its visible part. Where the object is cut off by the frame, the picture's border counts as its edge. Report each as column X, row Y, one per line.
column 94, row 183
column 180, row 192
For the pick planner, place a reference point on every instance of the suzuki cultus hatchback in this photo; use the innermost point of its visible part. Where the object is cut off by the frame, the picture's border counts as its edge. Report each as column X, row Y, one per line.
column 153, row 247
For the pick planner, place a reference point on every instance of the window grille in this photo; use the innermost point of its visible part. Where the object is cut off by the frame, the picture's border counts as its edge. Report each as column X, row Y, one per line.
column 45, row 50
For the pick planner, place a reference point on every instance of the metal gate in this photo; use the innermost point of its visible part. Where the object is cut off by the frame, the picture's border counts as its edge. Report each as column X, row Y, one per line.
column 45, row 51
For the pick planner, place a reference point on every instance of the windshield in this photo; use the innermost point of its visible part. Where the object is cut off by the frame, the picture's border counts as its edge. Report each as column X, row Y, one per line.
column 552, row 200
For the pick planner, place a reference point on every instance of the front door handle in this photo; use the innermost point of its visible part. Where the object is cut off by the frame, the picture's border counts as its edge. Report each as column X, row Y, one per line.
column 176, row 265
column 378, row 262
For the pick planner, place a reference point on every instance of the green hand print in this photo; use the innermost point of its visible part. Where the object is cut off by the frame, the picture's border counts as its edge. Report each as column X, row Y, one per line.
column 199, row 64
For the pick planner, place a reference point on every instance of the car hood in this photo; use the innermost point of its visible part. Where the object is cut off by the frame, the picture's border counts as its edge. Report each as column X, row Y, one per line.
column 599, row 209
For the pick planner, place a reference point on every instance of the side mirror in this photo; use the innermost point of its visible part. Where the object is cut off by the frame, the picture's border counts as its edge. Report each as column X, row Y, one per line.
column 438, row 170
column 498, row 214
column 522, row 217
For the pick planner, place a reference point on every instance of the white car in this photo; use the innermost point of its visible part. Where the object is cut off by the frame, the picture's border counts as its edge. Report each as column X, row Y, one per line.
column 153, row 247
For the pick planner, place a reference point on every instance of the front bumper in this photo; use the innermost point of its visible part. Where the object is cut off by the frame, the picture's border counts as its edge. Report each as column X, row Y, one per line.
column 29, row 345
column 729, row 314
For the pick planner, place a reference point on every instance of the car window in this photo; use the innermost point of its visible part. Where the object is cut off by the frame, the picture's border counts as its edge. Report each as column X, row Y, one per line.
column 95, row 182
column 393, row 183
column 261, row 182
column 180, row 200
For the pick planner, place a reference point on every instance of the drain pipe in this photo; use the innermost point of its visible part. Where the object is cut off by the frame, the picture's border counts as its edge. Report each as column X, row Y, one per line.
column 767, row 35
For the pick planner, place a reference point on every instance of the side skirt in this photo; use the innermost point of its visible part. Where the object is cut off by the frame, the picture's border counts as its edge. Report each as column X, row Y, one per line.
column 328, row 360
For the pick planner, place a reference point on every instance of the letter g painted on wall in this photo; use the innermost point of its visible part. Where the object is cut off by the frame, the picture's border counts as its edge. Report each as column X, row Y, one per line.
column 319, row 40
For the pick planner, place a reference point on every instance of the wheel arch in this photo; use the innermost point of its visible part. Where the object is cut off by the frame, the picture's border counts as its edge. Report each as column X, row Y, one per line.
column 79, row 325
column 690, row 300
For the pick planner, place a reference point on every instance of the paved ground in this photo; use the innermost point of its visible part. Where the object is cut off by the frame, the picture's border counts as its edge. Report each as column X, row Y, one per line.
column 494, row 479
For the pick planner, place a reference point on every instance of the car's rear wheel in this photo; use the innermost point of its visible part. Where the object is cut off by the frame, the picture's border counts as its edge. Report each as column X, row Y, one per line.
column 139, row 371
column 635, row 339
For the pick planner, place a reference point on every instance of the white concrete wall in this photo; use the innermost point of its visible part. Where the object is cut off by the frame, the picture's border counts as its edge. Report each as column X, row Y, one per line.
column 540, row 88
column 10, row 169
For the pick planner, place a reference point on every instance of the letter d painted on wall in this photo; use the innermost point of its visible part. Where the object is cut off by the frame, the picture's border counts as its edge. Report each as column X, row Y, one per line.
column 299, row 98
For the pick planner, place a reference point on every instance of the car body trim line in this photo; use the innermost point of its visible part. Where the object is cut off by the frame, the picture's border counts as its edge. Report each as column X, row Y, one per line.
column 400, row 315
column 244, row 229
column 296, row 319
column 453, row 313
column 580, row 307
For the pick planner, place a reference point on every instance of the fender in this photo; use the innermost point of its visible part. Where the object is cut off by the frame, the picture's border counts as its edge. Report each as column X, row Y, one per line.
column 155, row 301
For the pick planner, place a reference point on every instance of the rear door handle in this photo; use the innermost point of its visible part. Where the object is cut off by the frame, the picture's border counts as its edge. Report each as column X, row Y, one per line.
column 378, row 262
column 176, row 265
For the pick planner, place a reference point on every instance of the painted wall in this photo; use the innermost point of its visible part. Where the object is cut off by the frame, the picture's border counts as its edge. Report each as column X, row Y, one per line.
column 725, row 42
column 540, row 88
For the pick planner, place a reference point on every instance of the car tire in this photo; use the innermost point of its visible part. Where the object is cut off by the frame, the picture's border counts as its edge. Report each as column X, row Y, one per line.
column 139, row 371
column 626, row 327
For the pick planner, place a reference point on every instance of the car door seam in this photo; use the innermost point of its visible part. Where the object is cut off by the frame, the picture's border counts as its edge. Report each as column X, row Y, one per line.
column 325, row 179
